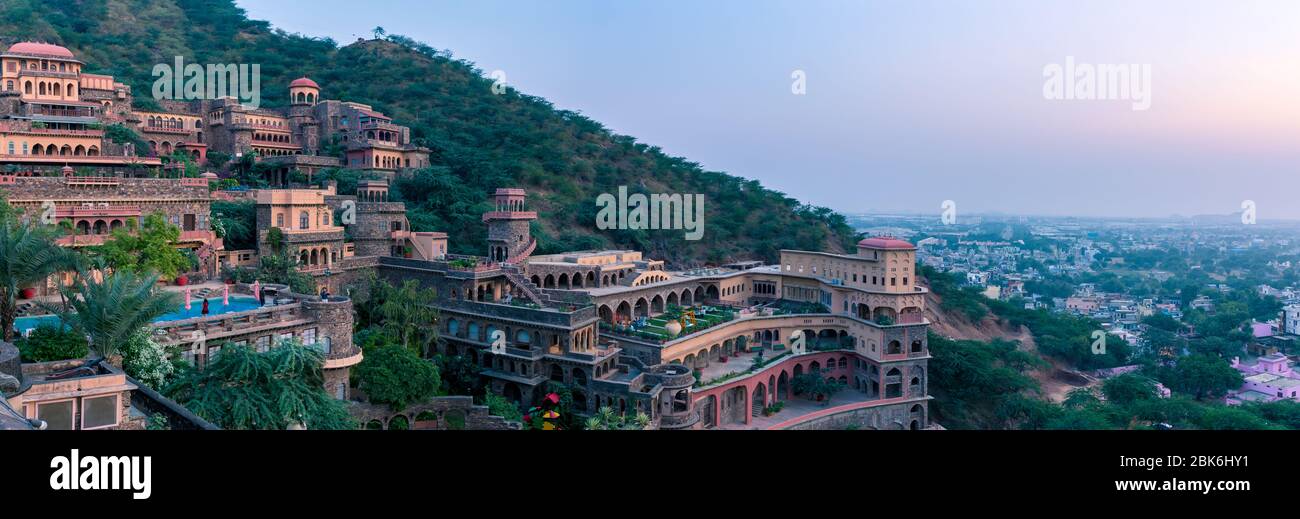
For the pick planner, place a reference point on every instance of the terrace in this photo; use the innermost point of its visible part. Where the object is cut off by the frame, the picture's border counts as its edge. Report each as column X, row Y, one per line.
column 655, row 328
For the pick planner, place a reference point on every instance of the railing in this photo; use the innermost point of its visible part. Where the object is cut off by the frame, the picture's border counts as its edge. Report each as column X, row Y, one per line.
column 58, row 112
column 501, row 215
column 160, row 129
column 46, row 73
column 13, row 128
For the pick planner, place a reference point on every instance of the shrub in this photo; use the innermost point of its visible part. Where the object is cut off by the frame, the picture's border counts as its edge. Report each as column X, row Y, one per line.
column 47, row 343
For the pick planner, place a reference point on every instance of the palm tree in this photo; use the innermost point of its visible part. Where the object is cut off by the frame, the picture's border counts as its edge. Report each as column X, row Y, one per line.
column 111, row 309
column 28, row 255
column 408, row 316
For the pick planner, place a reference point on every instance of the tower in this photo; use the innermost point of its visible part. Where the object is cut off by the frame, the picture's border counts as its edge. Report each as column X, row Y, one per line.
column 508, row 235
column 303, row 96
column 304, row 91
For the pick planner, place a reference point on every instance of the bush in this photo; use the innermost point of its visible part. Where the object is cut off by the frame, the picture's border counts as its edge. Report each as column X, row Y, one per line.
column 48, row 343
column 394, row 375
column 146, row 360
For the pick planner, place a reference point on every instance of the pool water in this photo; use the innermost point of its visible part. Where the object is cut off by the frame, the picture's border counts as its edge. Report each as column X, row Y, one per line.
column 237, row 304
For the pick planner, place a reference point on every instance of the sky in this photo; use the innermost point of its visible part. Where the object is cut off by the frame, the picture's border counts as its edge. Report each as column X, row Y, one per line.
column 906, row 104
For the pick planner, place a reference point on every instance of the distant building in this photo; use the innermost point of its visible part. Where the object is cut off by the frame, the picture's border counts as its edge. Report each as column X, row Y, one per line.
column 1270, row 379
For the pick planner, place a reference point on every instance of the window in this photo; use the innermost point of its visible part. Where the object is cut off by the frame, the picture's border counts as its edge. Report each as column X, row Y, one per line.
column 56, row 415
column 325, row 345
column 263, row 343
column 279, row 220
column 309, row 337
column 304, row 220
column 98, row 412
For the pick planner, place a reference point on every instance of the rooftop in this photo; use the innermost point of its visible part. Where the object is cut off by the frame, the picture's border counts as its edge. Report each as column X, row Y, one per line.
column 886, row 243
column 32, row 48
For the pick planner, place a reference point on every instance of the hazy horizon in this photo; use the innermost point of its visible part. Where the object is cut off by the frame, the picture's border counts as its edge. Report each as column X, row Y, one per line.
column 907, row 105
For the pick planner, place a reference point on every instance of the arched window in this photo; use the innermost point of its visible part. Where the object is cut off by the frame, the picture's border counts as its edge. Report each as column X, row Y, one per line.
column 304, row 220
column 453, row 327
column 523, row 337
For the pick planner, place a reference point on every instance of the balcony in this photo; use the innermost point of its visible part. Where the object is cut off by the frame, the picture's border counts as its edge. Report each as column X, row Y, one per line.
column 32, row 72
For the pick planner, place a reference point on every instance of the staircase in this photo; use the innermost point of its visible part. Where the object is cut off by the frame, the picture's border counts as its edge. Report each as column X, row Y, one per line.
column 527, row 287
column 514, row 260
column 758, row 408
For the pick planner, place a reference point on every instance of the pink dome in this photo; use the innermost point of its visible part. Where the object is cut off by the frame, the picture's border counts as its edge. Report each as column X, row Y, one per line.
column 886, row 242
column 303, row 82
column 40, row 49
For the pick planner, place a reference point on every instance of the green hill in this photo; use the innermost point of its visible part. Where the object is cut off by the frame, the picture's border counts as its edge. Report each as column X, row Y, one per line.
column 480, row 140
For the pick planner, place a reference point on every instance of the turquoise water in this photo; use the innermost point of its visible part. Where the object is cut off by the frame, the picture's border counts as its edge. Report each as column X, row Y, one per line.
column 237, row 304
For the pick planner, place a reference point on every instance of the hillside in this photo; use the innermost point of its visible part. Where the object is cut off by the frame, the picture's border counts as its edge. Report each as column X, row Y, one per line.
column 480, row 140
column 1055, row 378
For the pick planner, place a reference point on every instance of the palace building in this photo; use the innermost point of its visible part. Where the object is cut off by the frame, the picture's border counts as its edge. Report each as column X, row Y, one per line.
column 721, row 347
column 53, row 115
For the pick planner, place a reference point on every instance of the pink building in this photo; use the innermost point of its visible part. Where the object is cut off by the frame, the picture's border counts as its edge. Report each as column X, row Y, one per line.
column 1269, row 379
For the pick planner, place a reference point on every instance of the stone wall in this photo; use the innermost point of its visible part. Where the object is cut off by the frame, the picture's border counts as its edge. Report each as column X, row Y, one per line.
column 476, row 417
column 886, row 417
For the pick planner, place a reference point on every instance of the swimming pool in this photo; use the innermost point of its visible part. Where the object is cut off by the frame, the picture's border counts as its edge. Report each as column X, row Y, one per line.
column 237, row 304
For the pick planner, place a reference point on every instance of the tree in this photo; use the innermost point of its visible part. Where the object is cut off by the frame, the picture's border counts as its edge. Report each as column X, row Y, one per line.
column 151, row 250
column 404, row 313
column 1202, row 375
column 282, row 268
column 1128, row 388
column 244, row 389
column 236, row 223
column 28, row 255
column 394, row 375
column 459, row 374
column 111, row 308
column 815, row 383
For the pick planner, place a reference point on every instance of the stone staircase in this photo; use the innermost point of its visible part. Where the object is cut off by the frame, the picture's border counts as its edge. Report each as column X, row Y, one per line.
column 758, row 408
column 523, row 254
column 527, row 287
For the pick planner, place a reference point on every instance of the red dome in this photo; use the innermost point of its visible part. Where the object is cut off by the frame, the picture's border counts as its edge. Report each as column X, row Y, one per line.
column 303, row 82
column 886, row 242
column 40, row 49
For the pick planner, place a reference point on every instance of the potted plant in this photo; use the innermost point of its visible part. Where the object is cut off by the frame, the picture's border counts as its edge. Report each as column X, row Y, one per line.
column 182, row 280
column 27, row 293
